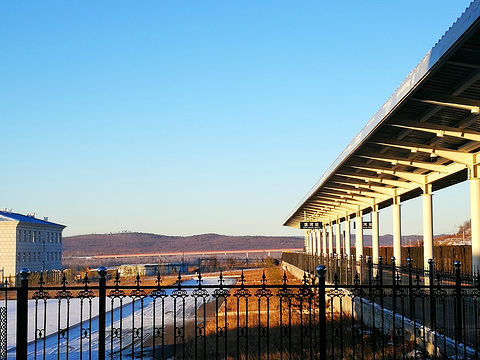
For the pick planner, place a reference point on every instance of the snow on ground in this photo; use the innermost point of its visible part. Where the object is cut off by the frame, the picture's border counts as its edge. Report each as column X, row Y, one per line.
column 47, row 316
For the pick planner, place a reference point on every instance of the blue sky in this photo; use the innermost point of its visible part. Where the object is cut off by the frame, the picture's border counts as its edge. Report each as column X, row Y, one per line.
column 187, row 117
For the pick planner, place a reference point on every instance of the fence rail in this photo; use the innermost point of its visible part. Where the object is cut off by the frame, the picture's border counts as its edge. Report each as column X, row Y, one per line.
column 235, row 318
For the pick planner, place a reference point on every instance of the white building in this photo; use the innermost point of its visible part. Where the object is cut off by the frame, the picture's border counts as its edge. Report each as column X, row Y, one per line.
column 26, row 241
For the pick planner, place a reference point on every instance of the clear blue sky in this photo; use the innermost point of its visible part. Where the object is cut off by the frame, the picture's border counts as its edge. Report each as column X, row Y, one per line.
column 187, row 117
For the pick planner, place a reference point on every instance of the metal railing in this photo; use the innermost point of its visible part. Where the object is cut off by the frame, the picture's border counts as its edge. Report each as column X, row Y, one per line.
column 232, row 318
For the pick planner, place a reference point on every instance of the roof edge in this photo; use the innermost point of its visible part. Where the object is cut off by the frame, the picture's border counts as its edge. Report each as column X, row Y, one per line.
column 451, row 37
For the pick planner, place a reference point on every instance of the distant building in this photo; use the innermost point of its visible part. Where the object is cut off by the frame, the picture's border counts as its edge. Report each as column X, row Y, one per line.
column 26, row 241
column 152, row 269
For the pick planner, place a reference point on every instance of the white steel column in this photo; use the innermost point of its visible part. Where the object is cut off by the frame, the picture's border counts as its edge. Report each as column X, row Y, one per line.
column 306, row 241
column 311, row 242
column 324, row 241
column 318, row 242
column 397, row 234
column 375, row 237
column 427, row 209
column 314, row 241
column 475, row 216
column 348, row 245
column 330, row 238
column 338, row 248
column 359, row 236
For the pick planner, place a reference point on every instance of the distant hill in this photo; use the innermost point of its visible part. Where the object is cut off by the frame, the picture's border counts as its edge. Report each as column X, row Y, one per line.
column 142, row 243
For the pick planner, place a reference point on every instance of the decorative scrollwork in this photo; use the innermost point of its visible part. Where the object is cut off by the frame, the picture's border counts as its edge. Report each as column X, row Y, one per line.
column 63, row 333
column 416, row 293
column 357, row 331
column 86, row 294
column 40, row 295
column 399, row 293
column 85, row 333
column 138, row 293
column 137, row 333
column 200, row 293
column 357, row 292
column 158, row 294
column 399, row 332
column 116, row 333
column 159, row 332
column 39, row 333
column 221, row 332
column 336, row 293
column 306, row 331
column 242, row 331
column 266, row 293
column 221, row 293
column 374, row 293
column 242, row 293
column 439, row 293
column 263, row 331
column 117, row 293
column 3, row 332
column 305, row 292
column 179, row 332
column 63, row 294
column 200, row 331
column 285, row 331
column 179, row 293
column 285, row 294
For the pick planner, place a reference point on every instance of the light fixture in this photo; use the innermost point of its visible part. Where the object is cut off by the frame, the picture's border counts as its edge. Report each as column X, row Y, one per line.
column 413, row 150
column 433, row 157
column 475, row 110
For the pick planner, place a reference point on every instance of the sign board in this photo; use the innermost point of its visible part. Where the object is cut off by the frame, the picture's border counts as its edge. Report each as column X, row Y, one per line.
column 310, row 225
column 367, row 225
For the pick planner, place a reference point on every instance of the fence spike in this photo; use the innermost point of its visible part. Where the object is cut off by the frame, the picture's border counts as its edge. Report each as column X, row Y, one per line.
column 64, row 281
column 179, row 278
column 199, row 279
column 221, row 280
column 117, row 279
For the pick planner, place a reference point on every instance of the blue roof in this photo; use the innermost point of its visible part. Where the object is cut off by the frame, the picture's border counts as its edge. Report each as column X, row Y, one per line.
column 10, row 216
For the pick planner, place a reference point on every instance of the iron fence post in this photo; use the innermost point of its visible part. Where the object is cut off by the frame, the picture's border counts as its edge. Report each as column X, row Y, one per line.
column 410, row 287
column 22, row 315
column 322, row 320
column 458, row 302
column 433, row 310
column 102, row 302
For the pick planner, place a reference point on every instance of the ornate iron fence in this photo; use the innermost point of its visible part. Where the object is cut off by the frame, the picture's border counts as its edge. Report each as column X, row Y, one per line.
column 230, row 318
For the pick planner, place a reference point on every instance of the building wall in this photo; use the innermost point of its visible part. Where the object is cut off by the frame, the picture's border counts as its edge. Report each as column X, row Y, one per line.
column 8, row 248
column 34, row 246
column 39, row 247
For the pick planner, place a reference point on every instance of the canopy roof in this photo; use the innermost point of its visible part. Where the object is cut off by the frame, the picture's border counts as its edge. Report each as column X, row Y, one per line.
column 426, row 136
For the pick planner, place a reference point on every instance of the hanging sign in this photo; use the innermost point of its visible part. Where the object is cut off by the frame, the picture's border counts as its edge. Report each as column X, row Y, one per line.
column 367, row 225
column 310, row 225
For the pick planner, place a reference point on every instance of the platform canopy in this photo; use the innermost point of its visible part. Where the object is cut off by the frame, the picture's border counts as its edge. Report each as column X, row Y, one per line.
column 426, row 136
